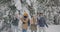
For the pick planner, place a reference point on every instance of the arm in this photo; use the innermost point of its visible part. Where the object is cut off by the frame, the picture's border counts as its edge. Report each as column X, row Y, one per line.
column 45, row 22
column 21, row 19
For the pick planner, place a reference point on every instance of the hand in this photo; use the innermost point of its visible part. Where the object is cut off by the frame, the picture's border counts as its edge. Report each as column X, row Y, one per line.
column 47, row 26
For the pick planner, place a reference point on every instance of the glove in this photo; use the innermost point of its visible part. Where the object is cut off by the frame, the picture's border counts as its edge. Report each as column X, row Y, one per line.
column 47, row 26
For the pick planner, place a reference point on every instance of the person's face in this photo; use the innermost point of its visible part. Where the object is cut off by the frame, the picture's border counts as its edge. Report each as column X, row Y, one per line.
column 25, row 16
column 41, row 14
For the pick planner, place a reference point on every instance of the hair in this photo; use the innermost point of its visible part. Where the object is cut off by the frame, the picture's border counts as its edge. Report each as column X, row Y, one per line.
column 41, row 13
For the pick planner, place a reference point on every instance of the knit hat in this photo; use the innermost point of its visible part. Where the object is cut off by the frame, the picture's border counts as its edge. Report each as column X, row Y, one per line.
column 25, row 14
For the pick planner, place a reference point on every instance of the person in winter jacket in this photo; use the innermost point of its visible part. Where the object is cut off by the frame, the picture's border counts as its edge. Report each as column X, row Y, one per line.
column 25, row 22
column 41, row 22
column 33, row 24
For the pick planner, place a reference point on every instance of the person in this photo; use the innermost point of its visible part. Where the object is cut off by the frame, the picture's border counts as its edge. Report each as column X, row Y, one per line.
column 16, row 18
column 15, row 21
column 25, row 22
column 33, row 24
column 41, row 22
column 20, row 24
column 58, row 19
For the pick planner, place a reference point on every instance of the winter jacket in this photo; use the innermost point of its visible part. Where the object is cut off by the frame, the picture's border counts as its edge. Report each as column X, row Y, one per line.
column 15, row 22
column 41, row 22
column 33, row 24
column 33, row 20
column 25, row 24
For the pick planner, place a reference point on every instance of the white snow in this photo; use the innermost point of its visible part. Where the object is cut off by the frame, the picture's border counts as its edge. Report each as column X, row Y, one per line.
column 18, row 4
column 51, row 28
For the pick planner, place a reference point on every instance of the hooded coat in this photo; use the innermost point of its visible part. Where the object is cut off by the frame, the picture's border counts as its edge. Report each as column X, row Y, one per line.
column 25, row 21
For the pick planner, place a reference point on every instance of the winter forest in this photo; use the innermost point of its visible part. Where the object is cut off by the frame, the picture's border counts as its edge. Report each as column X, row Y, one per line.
column 9, row 9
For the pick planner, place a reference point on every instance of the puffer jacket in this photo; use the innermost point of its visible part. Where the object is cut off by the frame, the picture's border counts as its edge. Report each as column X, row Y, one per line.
column 42, row 22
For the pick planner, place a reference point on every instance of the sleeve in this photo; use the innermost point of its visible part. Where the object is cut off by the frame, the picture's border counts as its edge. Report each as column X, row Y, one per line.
column 45, row 22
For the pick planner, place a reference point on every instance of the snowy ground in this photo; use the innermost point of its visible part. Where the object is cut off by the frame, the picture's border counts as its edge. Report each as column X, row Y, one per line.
column 51, row 28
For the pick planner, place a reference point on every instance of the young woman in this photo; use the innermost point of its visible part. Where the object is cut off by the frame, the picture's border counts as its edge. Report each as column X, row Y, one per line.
column 25, row 22
column 33, row 24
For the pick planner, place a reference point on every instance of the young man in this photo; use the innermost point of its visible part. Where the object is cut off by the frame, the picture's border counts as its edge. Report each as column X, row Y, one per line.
column 41, row 22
